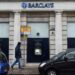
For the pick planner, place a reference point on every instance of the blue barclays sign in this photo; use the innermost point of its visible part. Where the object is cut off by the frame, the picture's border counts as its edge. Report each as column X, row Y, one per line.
column 37, row 5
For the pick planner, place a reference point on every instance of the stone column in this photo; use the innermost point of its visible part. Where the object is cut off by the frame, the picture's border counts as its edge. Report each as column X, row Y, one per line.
column 16, row 28
column 58, row 31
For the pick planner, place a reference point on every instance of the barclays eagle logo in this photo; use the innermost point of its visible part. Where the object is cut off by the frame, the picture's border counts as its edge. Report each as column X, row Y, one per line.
column 24, row 5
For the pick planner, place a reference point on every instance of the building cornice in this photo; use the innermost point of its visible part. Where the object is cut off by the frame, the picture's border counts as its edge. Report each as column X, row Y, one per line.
column 37, row 6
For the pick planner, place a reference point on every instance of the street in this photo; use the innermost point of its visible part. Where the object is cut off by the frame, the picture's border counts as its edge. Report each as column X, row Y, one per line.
column 32, row 72
column 38, row 74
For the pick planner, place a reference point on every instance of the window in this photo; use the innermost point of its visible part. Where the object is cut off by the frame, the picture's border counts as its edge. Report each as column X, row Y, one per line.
column 41, row 28
column 71, row 29
column 4, row 30
column 71, row 56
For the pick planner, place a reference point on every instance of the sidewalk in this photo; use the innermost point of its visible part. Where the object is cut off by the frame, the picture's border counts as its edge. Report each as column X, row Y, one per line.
column 24, row 71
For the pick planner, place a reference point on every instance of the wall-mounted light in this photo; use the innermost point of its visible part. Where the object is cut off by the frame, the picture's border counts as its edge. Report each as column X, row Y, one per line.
column 52, row 29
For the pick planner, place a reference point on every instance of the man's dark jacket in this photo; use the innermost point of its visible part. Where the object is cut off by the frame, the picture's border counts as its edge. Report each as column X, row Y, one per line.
column 17, row 52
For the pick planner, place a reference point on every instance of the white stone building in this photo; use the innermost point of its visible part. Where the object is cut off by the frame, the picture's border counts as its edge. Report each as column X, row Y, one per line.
column 53, row 22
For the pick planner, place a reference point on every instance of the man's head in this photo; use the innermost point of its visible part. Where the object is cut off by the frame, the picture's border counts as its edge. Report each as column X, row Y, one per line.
column 19, row 43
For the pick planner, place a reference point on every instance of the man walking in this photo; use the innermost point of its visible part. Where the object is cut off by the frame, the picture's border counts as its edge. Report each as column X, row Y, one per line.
column 17, row 55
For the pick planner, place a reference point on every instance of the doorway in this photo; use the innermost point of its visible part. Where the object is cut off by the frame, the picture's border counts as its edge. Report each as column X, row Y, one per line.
column 38, row 43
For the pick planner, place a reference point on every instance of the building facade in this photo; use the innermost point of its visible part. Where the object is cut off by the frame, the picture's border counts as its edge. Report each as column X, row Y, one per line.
column 51, row 27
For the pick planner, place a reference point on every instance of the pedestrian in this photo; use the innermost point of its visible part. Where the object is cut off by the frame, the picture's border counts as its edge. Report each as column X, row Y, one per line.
column 17, row 55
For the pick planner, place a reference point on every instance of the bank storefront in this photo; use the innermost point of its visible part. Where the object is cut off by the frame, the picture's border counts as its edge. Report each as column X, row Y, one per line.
column 43, row 28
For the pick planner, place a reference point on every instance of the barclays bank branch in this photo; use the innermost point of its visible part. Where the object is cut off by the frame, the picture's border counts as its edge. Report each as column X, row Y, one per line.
column 44, row 29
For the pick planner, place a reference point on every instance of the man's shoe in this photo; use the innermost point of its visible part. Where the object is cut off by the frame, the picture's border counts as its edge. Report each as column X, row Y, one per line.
column 21, row 68
column 11, row 67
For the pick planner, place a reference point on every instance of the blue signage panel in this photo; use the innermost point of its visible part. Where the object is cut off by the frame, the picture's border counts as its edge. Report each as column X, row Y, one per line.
column 37, row 5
